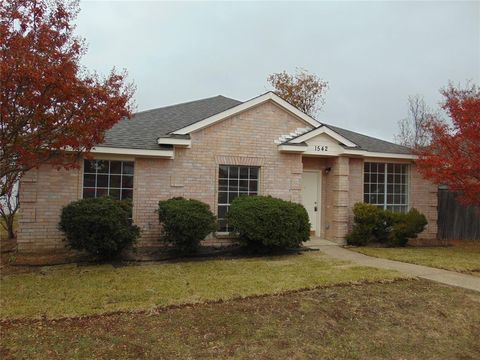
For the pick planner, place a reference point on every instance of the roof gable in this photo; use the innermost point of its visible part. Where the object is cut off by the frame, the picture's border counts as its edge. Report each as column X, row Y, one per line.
column 312, row 134
column 269, row 96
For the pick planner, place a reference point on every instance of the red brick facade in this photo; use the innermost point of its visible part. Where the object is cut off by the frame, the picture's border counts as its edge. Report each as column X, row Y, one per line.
column 243, row 139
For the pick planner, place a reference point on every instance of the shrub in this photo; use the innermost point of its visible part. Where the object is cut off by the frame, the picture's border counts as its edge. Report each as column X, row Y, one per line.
column 367, row 224
column 186, row 222
column 372, row 224
column 100, row 226
column 360, row 235
column 264, row 222
column 406, row 226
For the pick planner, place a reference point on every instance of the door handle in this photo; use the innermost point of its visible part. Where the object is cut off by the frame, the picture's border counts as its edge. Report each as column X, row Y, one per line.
column 315, row 208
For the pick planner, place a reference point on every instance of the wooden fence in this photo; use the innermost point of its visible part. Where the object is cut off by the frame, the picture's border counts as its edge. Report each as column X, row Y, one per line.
column 456, row 221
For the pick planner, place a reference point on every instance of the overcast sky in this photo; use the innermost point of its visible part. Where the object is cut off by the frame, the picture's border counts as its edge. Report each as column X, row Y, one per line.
column 373, row 54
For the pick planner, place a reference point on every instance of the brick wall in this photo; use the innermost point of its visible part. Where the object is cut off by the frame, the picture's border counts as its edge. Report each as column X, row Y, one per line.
column 43, row 192
column 244, row 139
column 424, row 198
column 340, row 184
column 356, row 187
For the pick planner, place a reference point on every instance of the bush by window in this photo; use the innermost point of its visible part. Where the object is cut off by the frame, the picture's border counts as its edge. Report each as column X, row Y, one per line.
column 406, row 226
column 100, row 226
column 264, row 222
column 186, row 222
column 372, row 224
column 367, row 219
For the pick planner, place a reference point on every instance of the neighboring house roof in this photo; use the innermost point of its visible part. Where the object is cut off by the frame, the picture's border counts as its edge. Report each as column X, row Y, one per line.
column 143, row 130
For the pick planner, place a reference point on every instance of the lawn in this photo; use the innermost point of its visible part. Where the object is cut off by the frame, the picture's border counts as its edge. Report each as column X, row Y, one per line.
column 74, row 290
column 400, row 320
column 462, row 257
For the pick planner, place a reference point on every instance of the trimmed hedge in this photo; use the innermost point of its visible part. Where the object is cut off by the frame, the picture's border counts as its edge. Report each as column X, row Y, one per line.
column 264, row 222
column 100, row 226
column 186, row 222
column 372, row 224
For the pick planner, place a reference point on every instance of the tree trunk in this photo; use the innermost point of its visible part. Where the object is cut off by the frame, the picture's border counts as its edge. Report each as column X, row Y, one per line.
column 11, row 233
column 8, row 225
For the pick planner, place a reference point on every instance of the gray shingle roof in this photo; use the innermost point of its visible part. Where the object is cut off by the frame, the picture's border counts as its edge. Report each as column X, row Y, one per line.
column 369, row 143
column 143, row 130
column 145, row 127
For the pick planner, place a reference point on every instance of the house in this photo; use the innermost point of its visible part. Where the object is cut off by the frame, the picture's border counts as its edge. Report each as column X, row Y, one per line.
column 218, row 148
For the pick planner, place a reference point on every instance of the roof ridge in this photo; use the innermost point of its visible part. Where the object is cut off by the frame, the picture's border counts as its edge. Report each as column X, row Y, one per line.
column 185, row 103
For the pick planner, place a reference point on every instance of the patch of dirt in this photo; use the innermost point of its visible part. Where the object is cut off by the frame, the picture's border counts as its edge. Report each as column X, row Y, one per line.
column 400, row 320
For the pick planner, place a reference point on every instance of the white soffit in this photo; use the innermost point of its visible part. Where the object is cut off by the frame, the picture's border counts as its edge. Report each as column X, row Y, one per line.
column 169, row 154
column 174, row 142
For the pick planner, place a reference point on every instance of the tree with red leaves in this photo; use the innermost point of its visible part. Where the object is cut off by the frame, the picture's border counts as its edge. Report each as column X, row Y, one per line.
column 453, row 158
column 51, row 109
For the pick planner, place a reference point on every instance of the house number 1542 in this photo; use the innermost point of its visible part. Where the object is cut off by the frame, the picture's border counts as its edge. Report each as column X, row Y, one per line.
column 321, row 148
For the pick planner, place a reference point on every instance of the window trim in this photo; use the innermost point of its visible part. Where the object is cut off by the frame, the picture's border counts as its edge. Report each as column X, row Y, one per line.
column 407, row 204
column 108, row 158
column 217, row 190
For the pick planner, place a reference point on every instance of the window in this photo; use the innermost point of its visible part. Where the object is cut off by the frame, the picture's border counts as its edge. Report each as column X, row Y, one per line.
column 108, row 178
column 234, row 181
column 386, row 185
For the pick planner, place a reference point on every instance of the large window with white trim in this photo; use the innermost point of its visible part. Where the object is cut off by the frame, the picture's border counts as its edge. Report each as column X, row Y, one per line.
column 108, row 178
column 234, row 181
column 386, row 185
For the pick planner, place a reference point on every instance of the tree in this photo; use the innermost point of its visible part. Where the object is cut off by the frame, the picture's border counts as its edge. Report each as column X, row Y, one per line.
column 51, row 109
column 303, row 90
column 453, row 158
column 411, row 130
column 8, row 208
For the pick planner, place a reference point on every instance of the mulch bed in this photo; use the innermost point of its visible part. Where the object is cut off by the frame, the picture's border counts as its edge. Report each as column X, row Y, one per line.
column 15, row 263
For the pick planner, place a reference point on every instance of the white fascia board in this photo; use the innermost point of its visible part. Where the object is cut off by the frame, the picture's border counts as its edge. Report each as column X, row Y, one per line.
column 323, row 130
column 361, row 153
column 270, row 96
column 134, row 152
column 292, row 148
column 175, row 142
column 364, row 153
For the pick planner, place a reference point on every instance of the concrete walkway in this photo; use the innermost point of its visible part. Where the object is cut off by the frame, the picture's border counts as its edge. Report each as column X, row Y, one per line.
column 442, row 276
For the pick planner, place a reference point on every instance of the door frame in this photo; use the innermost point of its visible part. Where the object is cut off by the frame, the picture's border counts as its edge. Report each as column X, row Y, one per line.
column 319, row 200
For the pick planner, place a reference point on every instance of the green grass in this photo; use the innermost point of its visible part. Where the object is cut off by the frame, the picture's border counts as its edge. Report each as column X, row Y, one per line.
column 400, row 320
column 68, row 291
column 463, row 257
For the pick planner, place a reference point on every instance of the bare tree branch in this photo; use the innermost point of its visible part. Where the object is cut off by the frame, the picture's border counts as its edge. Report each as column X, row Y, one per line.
column 411, row 130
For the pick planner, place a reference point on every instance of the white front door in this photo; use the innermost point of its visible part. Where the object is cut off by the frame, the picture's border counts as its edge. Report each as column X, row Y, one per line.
column 311, row 198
